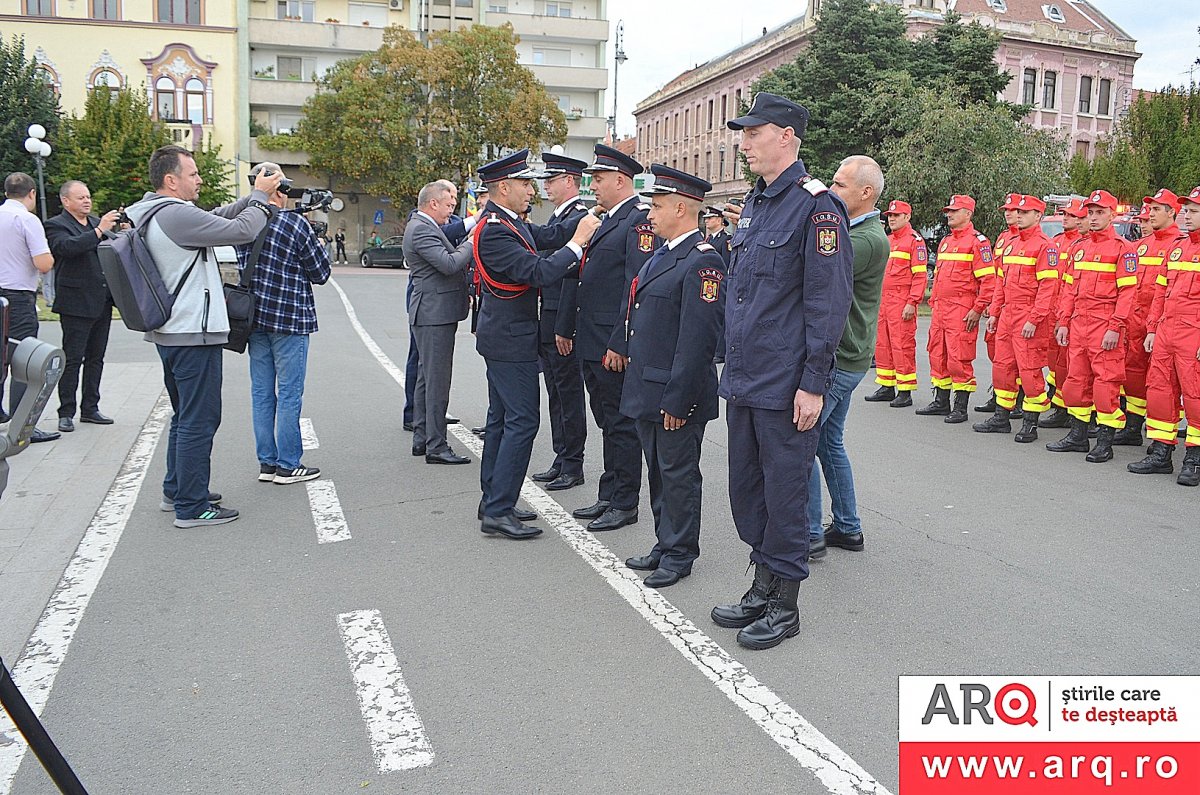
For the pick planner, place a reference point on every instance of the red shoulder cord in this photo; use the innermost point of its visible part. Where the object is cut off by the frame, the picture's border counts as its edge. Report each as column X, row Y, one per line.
column 629, row 307
column 481, row 274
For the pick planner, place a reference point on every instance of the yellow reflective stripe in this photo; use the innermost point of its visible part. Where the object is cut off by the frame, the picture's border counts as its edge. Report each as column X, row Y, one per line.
column 919, row 269
column 1166, row 437
column 1183, row 266
column 1004, row 392
column 1047, row 274
column 1159, row 425
column 1161, row 281
column 941, row 383
column 1084, row 414
column 1037, row 403
column 1050, row 378
column 884, row 371
column 1100, row 267
column 1126, row 281
column 967, row 386
column 906, row 378
column 1193, row 436
column 1014, row 260
column 952, row 257
column 1150, row 260
column 988, row 271
column 901, row 255
column 1068, row 278
column 1130, row 400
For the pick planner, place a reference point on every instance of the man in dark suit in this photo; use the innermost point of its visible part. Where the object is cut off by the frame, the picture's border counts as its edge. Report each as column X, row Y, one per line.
column 439, row 301
column 674, row 321
column 595, row 328
column 716, row 233
column 82, row 301
column 510, row 270
column 564, row 380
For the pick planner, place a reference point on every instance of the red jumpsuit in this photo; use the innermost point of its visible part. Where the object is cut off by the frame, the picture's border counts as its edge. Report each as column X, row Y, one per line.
column 1152, row 251
column 1098, row 296
column 1175, row 322
column 964, row 280
column 903, row 284
column 1002, row 241
column 1026, row 293
column 1065, row 242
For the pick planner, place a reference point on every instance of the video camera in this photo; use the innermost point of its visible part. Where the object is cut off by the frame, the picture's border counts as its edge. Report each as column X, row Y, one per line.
column 307, row 199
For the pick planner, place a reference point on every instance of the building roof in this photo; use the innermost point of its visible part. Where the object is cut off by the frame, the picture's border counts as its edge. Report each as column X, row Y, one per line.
column 627, row 146
column 1079, row 16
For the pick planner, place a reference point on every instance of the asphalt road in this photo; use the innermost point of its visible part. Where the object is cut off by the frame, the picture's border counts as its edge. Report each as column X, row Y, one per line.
column 211, row 661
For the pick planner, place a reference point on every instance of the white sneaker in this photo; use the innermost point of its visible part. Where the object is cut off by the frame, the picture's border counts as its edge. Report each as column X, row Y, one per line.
column 297, row 475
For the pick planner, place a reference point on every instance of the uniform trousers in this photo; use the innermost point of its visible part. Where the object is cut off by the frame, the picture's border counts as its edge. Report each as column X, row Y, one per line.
column 952, row 348
column 770, row 464
column 1019, row 361
column 621, row 483
column 1174, row 373
column 1096, row 374
column 564, row 389
column 1059, row 371
column 896, row 349
column 514, row 412
column 1137, row 364
column 673, row 469
column 84, row 341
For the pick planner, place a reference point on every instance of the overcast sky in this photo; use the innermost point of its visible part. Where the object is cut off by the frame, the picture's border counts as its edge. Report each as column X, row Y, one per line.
column 666, row 37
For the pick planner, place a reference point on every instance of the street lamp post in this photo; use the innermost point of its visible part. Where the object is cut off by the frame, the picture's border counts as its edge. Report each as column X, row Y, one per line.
column 618, row 59
column 40, row 150
column 721, row 173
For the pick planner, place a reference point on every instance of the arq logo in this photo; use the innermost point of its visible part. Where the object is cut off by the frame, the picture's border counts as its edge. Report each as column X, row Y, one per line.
column 1013, row 704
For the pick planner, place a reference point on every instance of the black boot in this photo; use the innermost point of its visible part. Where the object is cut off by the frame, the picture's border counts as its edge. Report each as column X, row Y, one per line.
column 1157, row 461
column 1029, row 426
column 990, row 406
column 940, row 405
column 997, row 423
column 780, row 621
column 1076, row 440
column 903, row 400
column 1056, row 417
column 1131, row 434
column 753, row 604
column 1104, row 442
column 1017, row 412
column 959, row 412
column 1092, row 428
column 1189, row 473
column 881, row 395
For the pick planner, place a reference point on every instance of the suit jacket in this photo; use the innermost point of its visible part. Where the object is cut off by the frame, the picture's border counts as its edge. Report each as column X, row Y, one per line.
column 554, row 296
column 723, row 243
column 79, row 285
column 676, row 318
column 439, row 291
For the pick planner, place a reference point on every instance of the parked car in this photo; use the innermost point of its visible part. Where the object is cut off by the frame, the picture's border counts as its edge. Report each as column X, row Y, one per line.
column 1124, row 226
column 388, row 253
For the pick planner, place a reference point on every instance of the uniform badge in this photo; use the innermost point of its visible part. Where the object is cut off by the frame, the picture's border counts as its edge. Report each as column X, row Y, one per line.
column 942, row 248
column 645, row 238
column 827, row 240
column 1052, row 257
column 1008, row 251
column 1130, row 260
column 985, row 253
column 825, row 218
column 1142, row 249
column 1079, row 255
column 710, row 284
column 922, row 254
column 1176, row 255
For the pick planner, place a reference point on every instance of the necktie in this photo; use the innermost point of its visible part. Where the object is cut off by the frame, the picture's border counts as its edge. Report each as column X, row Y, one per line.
column 657, row 256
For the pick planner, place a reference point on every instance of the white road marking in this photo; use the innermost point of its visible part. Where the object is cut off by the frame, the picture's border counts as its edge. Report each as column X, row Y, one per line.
column 397, row 735
column 840, row 774
column 327, row 512
column 308, row 436
column 387, row 364
column 38, row 665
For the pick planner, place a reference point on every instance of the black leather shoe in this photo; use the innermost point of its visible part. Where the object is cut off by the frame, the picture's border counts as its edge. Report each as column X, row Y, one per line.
column 408, row 426
column 594, row 511
column 612, row 519
column 643, row 563
column 39, row 435
column 66, row 424
column 850, row 541
column 1056, row 417
column 563, row 482
column 902, row 401
column 817, row 548
column 509, row 527
column 418, row 451
column 662, row 578
column 480, row 431
column 446, row 457
column 547, row 476
column 451, row 420
column 881, row 395
column 516, row 513
column 96, row 419
column 989, row 407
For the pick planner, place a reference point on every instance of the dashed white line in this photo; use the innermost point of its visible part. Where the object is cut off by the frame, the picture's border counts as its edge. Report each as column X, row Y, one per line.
column 327, row 512
column 840, row 774
column 397, row 734
column 308, row 435
column 38, row 665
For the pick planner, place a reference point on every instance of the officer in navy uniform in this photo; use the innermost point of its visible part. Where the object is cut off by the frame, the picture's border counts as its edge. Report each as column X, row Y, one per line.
column 508, row 271
column 787, row 298
column 715, row 233
column 675, row 314
column 595, row 328
column 564, row 379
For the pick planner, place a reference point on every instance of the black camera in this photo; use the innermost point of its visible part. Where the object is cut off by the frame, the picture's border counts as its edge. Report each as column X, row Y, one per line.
column 285, row 184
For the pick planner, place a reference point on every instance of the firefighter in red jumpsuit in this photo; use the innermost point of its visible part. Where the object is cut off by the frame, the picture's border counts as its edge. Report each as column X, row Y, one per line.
column 1020, row 316
column 903, row 289
column 1152, row 251
column 989, row 337
column 1173, row 339
column 1074, row 219
column 963, row 284
column 1097, row 299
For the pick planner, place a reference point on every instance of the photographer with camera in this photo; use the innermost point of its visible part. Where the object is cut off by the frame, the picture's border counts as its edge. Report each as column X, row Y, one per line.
column 180, row 237
column 292, row 260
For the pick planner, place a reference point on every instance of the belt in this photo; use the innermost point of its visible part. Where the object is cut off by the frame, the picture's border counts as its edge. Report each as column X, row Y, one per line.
column 6, row 290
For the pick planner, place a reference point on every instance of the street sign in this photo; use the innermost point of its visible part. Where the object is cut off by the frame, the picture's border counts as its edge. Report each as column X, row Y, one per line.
column 378, row 217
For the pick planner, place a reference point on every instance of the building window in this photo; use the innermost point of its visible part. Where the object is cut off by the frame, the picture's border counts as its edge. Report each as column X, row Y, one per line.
column 180, row 12
column 39, row 8
column 686, row 117
column 164, row 98
column 194, row 94
column 708, row 165
column 370, row 14
column 550, row 56
column 1029, row 87
column 558, row 9
column 711, row 113
column 1081, row 148
column 106, row 9
column 300, row 69
column 295, row 9
column 724, row 109
column 737, row 103
column 1085, row 94
column 695, row 164
column 1049, row 90
column 109, row 79
column 1054, row 14
column 999, row 6
column 1104, row 106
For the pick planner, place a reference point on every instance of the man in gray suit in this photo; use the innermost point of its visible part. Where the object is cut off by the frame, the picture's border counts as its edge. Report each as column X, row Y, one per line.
column 439, row 302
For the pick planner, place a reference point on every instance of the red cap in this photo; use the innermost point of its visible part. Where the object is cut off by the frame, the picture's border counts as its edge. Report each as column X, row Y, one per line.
column 1075, row 209
column 1101, row 198
column 1193, row 197
column 1010, row 202
column 960, row 201
column 898, row 208
column 1027, row 202
column 1164, row 197
column 1144, row 213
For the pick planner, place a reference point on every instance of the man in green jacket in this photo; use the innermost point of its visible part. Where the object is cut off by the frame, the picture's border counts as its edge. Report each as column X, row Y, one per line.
column 859, row 183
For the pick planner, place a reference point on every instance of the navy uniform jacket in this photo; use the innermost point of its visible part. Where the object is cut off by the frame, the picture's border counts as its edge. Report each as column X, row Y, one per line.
column 721, row 242
column 553, row 296
column 674, row 324
column 595, row 319
column 506, row 247
column 788, row 294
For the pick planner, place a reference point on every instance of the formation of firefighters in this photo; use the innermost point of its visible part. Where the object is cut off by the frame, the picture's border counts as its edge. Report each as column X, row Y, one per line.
column 1087, row 331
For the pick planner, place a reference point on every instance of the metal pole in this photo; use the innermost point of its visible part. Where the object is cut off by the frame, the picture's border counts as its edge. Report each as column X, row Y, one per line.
column 41, row 185
column 35, row 734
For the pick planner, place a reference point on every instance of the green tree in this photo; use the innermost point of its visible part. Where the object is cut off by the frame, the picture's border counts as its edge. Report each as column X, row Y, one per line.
column 25, row 98
column 964, row 55
column 216, row 174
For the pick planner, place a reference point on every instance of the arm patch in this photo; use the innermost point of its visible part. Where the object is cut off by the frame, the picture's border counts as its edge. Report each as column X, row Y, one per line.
column 710, row 282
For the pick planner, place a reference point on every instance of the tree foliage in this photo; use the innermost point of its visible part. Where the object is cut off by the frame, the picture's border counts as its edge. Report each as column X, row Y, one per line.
column 404, row 115
column 25, row 98
column 216, row 174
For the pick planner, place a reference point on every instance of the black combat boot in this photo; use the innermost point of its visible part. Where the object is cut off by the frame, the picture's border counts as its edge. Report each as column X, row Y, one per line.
column 940, row 405
column 997, row 423
column 753, row 604
column 1157, row 461
column 903, row 400
column 1076, row 440
column 1104, row 442
column 1029, row 426
column 881, row 395
column 1056, row 417
column 990, row 406
column 959, row 412
column 1092, row 427
column 1131, row 434
column 780, row 621
column 1017, row 412
column 1189, row 473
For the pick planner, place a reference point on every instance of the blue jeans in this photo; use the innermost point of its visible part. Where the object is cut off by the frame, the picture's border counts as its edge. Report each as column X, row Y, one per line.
column 278, row 363
column 835, row 464
column 192, row 375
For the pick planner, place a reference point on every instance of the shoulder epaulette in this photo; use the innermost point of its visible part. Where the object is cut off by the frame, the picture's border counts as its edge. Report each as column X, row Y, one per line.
column 643, row 206
column 917, row 235
column 492, row 219
column 704, row 246
column 983, row 238
column 813, row 185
